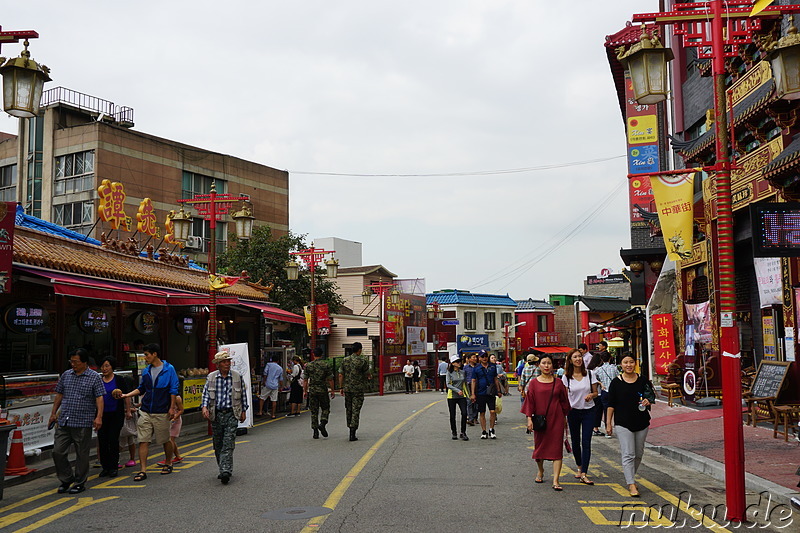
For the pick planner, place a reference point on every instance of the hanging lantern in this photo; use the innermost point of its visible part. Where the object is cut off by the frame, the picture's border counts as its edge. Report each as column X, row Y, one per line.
column 366, row 296
column 332, row 267
column 292, row 270
column 244, row 222
column 785, row 60
column 394, row 297
column 646, row 61
column 181, row 225
column 23, row 82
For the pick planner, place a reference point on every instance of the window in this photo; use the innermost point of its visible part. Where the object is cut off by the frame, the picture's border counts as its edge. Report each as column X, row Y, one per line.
column 470, row 319
column 506, row 318
column 78, row 216
column 198, row 184
column 8, row 183
column 489, row 320
column 542, row 323
column 74, row 173
column 357, row 332
column 202, row 228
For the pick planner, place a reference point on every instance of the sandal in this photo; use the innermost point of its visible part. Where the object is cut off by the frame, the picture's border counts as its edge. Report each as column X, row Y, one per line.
column 586, row 481
column 141, row 476
column 166, row 470
column 558, row 488
column 538, row 480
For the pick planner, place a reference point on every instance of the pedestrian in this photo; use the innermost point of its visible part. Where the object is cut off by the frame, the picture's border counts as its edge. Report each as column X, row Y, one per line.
column 316, row 387
column 457, row 396
column 408, row 374
column 441, row 383
column 485, row 391
column 270, row 388
column 585, row 353
column 518, row 369
column 469, row 368
column 606, row 373
column 529, row 371
column 77, row 408
column 581, row 390
column 501, row 373
column 114, row 414
column 417, row 377
column 159, row 389
column 295, row 387
column 175, row 426
column 354, row 376
column 547, row 396
column 629, row 398
column 224, row 404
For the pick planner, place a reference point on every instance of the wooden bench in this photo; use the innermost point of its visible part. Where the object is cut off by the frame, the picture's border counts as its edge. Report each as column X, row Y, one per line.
column 786, row 416
column 759, row 409
column 673, row 392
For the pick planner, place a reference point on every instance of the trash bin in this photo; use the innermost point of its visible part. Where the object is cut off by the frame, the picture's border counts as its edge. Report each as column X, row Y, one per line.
column 5, row 431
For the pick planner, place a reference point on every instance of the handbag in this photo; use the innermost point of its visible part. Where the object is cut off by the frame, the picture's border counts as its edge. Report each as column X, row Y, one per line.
column 540, row 421
column 129, row 427
column 567, row 445
column 491, row 389
column 498, row 406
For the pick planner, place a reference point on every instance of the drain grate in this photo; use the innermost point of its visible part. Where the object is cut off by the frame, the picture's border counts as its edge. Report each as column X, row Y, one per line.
column 296, row 513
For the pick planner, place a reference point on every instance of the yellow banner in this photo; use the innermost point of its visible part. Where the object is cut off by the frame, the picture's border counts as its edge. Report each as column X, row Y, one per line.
column 759, row 6
column 674, row 194
column 307, row 312
column 193, row 392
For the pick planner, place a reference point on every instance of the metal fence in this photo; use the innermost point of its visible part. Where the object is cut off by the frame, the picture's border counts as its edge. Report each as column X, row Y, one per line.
column 85, row 102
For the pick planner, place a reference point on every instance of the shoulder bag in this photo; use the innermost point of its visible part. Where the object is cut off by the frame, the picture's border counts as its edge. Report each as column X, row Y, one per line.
column 540, row 421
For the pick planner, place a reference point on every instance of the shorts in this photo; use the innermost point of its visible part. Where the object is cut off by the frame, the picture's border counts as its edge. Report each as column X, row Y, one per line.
column 155, row 424
column 484, row 400
column 128, row 441
column 272, row 394
column 175, row 427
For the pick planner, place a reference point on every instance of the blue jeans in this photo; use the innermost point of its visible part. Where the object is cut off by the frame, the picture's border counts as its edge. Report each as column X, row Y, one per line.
column 581, row 424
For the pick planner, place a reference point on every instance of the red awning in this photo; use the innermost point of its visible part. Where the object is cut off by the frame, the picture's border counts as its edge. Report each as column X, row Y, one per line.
column 174, row 297
column 273, row 313
column 552, row 349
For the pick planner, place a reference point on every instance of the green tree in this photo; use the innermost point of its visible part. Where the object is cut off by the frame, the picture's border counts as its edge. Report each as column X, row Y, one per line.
column 264, row 258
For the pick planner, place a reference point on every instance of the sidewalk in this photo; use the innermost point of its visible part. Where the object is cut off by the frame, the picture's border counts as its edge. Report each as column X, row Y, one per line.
column 695, row 437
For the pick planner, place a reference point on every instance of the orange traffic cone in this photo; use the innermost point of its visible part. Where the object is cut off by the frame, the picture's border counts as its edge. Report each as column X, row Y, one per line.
column 15, row 465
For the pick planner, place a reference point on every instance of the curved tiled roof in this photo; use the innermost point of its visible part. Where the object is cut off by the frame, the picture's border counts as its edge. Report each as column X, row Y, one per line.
column 786, row 160
column 469, row 298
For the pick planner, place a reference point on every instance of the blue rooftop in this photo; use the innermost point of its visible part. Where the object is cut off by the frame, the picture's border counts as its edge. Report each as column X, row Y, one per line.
column 470, row 298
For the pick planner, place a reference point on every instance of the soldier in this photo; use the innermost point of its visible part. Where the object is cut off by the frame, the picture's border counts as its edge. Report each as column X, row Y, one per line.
column 354, row 376
column 317, row 386
column 224, row 405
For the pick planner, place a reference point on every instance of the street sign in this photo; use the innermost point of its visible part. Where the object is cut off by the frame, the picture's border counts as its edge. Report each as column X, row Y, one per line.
column 449, row 322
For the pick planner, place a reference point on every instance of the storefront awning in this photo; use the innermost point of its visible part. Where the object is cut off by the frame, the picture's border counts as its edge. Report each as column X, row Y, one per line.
column 273, row 313
column 552, row 349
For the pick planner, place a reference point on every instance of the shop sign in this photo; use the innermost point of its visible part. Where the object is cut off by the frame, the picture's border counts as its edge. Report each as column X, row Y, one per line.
column 193, row 392
column 146, row 222
column 145, row 322
column 768, row 329
column 323, row 319
column 664, row 342
column 93, row 320
column 26, row 318
column 769, row 280
column 545, row 338
column 112, row 205
column 757, row 76
column 7, row 217
column 32, row 421
column 416, row 340
column 185, row 324
column 608, row 280
column 473, row 343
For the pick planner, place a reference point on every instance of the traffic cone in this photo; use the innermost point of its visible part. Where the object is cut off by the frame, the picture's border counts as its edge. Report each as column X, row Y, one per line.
column 15, row 465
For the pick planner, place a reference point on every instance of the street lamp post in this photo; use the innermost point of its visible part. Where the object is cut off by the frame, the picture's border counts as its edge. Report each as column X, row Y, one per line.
column 692, row 25
column 312, row 257
column 436, row 314
column 381, row 288
column 212, row 207
column 23, row 78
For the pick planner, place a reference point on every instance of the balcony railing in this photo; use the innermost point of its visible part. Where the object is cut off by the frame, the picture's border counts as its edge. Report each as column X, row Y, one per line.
column 103, row 109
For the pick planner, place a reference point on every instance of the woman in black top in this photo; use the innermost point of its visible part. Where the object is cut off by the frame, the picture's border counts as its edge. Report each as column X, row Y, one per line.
column 629, row 416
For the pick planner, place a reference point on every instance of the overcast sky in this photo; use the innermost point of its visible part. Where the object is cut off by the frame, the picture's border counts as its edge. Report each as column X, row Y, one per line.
column 376, row 88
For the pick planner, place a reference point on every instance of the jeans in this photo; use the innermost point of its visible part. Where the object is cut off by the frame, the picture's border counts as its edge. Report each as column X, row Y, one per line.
column 442, row 382
column 462, row 405
column 409, row 385
column 581, row 424
column 631, row 447
column 472, row 410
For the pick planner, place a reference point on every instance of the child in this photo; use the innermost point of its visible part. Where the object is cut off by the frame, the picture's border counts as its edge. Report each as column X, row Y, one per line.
column 174, row 433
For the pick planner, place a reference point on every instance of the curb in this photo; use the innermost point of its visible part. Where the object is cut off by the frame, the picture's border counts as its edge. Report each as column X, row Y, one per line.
column 716, row 470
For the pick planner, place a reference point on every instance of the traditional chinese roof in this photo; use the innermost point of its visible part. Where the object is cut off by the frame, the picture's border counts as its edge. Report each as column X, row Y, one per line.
column 366, row 271
column 456, row 297
column 601, row 305
column 787, row 160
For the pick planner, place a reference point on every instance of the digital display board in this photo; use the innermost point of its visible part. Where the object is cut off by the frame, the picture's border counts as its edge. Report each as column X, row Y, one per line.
column 776, row 229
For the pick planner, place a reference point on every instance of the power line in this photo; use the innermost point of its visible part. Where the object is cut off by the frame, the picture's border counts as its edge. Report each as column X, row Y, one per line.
column 471, row 173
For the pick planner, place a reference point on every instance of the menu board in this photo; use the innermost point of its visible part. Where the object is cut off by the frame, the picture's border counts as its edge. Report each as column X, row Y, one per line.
column 769, row 379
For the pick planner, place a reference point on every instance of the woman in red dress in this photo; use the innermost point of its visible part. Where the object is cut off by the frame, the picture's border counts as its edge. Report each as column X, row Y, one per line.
column 547, row 396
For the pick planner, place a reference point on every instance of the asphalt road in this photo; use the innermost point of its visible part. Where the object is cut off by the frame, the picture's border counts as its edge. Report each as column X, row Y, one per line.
column 403, row 474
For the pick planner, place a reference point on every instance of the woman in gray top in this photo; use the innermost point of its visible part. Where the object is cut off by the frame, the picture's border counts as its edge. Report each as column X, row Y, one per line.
column 456, row 395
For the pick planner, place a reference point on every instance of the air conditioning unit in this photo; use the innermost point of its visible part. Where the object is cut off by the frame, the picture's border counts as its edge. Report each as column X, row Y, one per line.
column 194, row 242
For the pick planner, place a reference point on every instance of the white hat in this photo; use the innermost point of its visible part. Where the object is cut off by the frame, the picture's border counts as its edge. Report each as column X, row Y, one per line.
column 455, row 357
column 221, row 356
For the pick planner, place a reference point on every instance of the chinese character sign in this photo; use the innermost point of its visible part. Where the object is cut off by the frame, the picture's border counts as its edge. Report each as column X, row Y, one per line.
column 674, row 194
column 146, row 218
column 663, row 342
column 112, row 205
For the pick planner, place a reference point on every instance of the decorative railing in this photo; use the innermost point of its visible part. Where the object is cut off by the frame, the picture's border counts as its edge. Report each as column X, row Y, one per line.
column 85, row 102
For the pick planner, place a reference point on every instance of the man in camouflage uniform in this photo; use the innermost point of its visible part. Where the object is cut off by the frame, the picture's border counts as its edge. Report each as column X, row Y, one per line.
column 354, row 376
column 317, row 386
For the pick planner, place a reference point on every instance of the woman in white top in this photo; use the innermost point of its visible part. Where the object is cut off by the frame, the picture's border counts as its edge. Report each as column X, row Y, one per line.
column 581, row 390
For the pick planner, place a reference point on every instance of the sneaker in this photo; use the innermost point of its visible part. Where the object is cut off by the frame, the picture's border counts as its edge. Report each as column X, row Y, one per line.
column 484, row 435
column 597, row 433
column 463, row 436
column 442, row 392
column 609, row 436
column 455, row 436
column 177, row 460
column 130, row 463
column 491, row 434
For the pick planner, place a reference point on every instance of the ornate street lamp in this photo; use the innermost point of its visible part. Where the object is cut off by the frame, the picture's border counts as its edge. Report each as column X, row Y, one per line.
column 647, row 63
column 381, row 288
column 244, row 222
column 23, row 81
column 181, row 225
column 312, row 257
column 785, row 59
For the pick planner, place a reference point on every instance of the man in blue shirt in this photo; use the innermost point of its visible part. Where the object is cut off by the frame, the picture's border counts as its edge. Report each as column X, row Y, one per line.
column 79, row 395
column 471, row 362
column 273, row 379
column 485, row 389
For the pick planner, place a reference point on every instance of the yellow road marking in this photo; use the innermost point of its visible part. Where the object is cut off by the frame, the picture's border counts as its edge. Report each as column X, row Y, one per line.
column 596, row 516
column 112, row 484
column 335, row 497
column 679, row 504
column 82, row 503
column 16, row 517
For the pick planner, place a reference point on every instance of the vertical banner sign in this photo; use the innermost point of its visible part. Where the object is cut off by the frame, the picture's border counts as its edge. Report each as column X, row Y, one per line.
column 664, row 342
column 240, row 362
column 307, row 313
column 768, row 329
column 8, row 215
column 674, row 194
column 323, row 320
column 641, row 123
column 770, row 282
